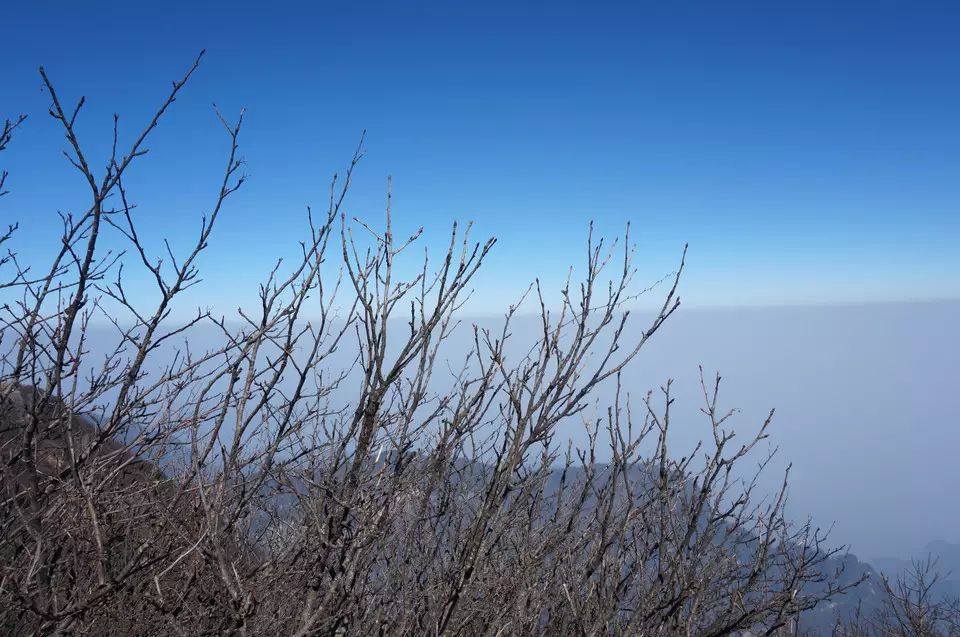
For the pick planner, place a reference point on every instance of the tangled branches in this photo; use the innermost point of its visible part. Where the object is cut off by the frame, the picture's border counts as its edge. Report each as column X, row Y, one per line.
column 257, row 488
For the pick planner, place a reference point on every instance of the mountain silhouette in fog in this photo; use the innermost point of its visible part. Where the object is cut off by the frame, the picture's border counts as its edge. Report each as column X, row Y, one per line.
column 946, row 558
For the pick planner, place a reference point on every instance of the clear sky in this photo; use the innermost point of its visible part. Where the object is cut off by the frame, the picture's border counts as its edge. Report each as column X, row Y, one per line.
column 809, row 152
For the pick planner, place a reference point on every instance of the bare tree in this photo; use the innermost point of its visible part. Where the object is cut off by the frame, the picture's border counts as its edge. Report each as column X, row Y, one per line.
column 6, row 134
column 911, row 607
column 261, row 487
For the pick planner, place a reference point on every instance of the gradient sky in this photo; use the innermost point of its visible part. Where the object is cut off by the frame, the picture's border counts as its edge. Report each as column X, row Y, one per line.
column 809, row 152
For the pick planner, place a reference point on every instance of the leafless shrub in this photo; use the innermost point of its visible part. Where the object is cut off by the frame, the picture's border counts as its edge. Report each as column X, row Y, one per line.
column 230, row 492
column 911, row 607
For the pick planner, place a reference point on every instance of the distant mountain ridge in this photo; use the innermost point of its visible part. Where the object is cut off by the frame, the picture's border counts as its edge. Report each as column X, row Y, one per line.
column 946, row 563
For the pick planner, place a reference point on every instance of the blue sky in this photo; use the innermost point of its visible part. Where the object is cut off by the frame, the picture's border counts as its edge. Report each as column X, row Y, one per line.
column 809, row 152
